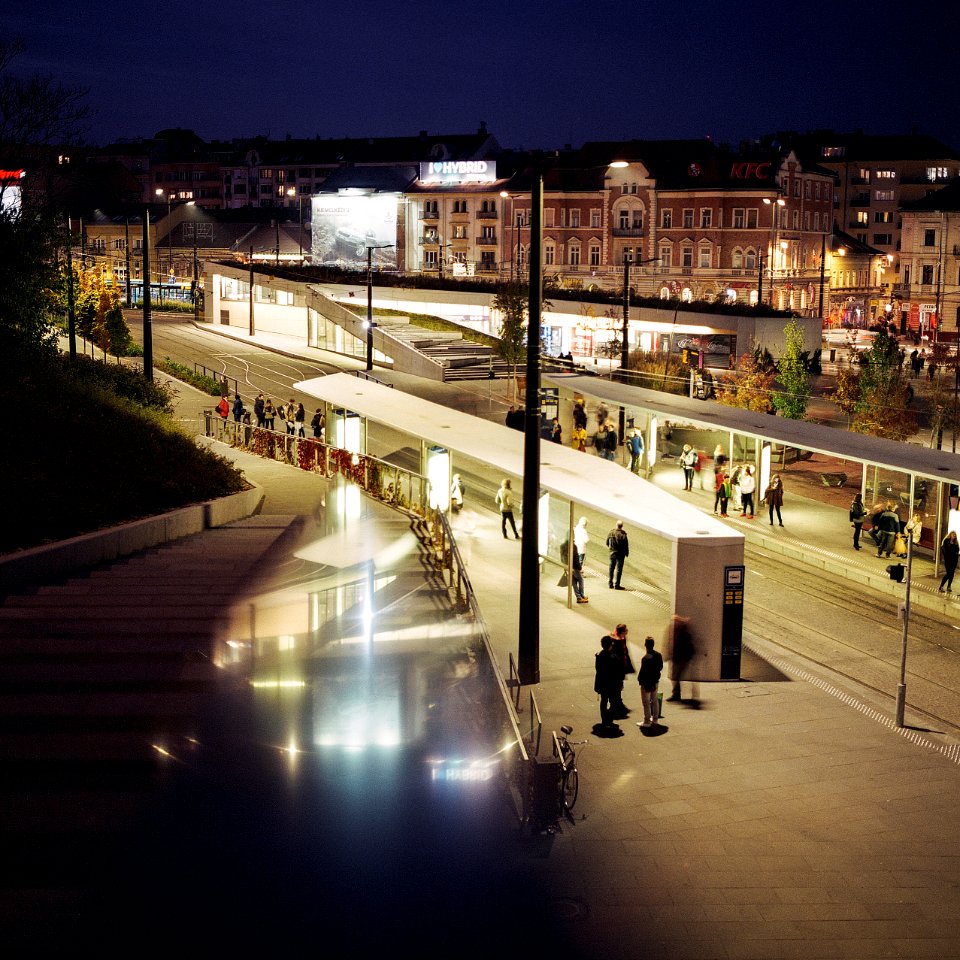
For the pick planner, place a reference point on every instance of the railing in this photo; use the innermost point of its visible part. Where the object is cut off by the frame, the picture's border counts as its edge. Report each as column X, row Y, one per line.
column 487, row 241
column 409, row 492
column 217, row 375
column 487, row 215
column 363, row 375
column 628, row 231
column 431, row 215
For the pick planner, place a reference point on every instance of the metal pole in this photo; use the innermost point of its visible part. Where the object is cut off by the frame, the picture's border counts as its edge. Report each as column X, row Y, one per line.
column 196, row 285
column 71, row 307
column 902, row 685
column 251, row 293
column 823, row 255
column 624, row 347
column 126, row 242
column 760, row 279
column 528, row 654
column 300, row 200
column 147, row 328
column 369, row 308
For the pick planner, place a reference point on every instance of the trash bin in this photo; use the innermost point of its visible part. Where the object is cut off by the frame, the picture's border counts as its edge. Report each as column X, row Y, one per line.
column 546, row 791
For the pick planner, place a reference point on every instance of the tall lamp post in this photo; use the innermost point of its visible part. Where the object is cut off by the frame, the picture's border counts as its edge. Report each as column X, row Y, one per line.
column 370, row 249
column 773, row 203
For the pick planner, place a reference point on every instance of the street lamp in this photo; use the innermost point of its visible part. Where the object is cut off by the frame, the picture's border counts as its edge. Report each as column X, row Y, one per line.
column 292, row 192
column 775, row 228
column 370, row 249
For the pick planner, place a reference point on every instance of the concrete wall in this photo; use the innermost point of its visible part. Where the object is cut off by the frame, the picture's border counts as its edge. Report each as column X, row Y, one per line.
column 58, row 559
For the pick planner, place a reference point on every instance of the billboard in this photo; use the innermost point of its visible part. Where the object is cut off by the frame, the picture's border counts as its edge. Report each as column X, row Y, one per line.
column 343, row 227
column 10, row 191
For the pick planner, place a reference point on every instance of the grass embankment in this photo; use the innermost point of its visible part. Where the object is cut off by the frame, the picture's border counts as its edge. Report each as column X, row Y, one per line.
column 430, row 322
column 93, row 445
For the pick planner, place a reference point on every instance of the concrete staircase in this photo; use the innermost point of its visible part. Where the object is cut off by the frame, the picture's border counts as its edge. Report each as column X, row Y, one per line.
column 102, row 679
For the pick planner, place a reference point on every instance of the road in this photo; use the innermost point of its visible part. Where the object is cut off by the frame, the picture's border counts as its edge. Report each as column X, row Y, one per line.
column 843, row 627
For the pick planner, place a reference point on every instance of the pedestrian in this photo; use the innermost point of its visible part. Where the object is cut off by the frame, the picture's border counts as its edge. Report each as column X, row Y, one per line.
column 949, row 553
column 726, row 489
column 290, row 415
column 610, row 443
column 858, row 513
column 688, row 460
column 269, row 414
column 635, row 449
column 735, row 475
column 719, row 458
column 608, row 681
column 648, row 676
column 700, row 468
column 915, row 362
column 579, row 438
column 773, row 497
column 556, row 433
column 238, row 410
column 889, row 527
column 932, row 370
column 579, row 414
column 299, row 419
column 748, row 484
column 570, row 555
column 319, row 423
column 619, row 544
column 515, row 418
column 456, row 493
column 619, row 710
column 258, row 407
column 681, row 650
column 581, row 538
column 223, row 408
column 504, row 500
column 719, row 479
column 914, row 528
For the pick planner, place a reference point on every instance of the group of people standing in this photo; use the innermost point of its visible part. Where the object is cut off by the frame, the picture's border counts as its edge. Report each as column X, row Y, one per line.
column 292, row 415
column 737, row 485
column 613, row 664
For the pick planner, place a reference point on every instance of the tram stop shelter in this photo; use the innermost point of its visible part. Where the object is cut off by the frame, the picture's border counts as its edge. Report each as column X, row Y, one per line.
column 834, row 463
column 705, row 557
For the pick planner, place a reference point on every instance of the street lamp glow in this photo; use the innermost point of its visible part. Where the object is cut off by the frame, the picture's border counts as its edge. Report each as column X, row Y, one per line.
column 619, row 164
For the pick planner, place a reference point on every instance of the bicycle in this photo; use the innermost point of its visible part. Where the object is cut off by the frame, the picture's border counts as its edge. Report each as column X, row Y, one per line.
column 569, row 777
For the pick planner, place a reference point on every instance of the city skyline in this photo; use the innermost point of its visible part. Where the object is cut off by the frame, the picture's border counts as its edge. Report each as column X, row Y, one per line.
column 540, row 77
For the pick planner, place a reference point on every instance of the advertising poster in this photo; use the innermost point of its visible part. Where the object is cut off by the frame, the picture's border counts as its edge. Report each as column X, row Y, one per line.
column 343, row 227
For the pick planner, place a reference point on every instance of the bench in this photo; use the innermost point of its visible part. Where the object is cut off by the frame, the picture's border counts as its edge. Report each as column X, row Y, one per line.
column 833, row 479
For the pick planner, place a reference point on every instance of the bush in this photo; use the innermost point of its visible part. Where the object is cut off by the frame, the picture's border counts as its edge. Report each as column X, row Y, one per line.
column 198, row 380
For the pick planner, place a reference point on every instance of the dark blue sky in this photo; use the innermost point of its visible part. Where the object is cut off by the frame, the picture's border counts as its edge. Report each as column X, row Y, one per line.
column 540, row 74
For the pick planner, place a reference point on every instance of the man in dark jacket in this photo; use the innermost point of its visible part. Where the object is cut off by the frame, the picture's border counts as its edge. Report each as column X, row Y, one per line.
column 609, row 680
column 619, row 544
column 889, row 526
column 651, row 666
column 258, row 407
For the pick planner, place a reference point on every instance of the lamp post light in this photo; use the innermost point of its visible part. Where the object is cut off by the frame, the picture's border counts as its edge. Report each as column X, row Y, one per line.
column 773, row 203
column 292, row 192
column 370, row 249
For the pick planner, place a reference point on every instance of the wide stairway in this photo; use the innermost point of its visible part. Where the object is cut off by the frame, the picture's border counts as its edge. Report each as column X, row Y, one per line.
column 102, row 679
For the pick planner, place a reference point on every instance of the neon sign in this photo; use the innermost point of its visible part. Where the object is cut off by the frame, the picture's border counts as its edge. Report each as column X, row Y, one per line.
column 458, row 171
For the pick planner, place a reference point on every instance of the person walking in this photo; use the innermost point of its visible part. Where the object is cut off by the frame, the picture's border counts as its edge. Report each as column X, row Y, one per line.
column 578, row 438
column 223, row 408
column 579, row 415
column 774, row 498
column 635, row 449
column 258, row 407
column 748, row 484
column 949, row 553
column 504, row 500
column 610, row 443
column 319, row 424
column 648, row 676
column 456, row 493
column 858, row 513
column 719, row 479
column 269, row 414
column 570, row 555
column 619, row 544
column 299, row 419
column 681, row 650
column 619, row 710
column 608, row 681
column 688, row 460
column 889, row 527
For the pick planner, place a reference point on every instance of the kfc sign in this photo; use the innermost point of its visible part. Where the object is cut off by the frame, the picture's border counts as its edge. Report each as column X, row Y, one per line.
column 750, row 171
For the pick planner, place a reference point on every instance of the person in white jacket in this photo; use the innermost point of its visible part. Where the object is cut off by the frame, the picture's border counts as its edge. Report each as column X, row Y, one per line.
column 504, row 499
column 748, row 484
column 581, row 538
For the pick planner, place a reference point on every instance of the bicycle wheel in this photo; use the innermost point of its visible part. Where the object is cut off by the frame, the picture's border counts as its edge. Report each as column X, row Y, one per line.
column 570, row 787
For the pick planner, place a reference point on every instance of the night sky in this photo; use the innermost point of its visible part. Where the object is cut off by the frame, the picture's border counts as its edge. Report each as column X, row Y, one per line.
column 541, row 74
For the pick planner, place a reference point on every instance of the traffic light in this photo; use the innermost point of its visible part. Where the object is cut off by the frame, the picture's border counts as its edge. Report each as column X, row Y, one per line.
column 896, row 572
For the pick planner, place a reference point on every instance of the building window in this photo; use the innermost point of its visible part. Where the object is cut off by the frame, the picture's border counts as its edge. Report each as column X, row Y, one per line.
column 937, row 173
column 266, row 174
column 737, row 261
column 816, row 190
column 883, row 194
column 883, row 239
column 666, row 255
column 705, row 258
column 816, row 221
column 738, row 218
column 430, row 259
column 706, row 218
column 548, row 214
column 886, row 174
column 488, row 206
column 752, row 218
column 688, row 218
column 459, row 206
column 864, row 175
column 595, row 219
column 549, row 254
column 430, row 208
column 929, row 238
column 832, row 152
column 883, row 216
column 459, row 231
column 806, row 219
column 750, row 259
column 488, row 233
column 686, row 257
column 796, row 187
column 574, row 218
column 666, row 219
column 574, row 254
column 119, row 244
column 806, row 189
column 926, row 274
column 862, row 217
column 594, row 255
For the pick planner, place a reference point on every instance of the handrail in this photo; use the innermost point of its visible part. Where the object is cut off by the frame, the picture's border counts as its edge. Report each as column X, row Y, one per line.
column 366, row 376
